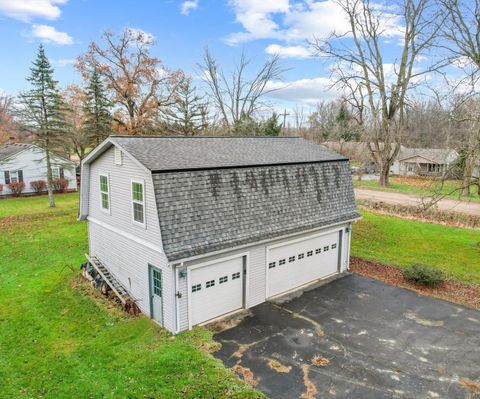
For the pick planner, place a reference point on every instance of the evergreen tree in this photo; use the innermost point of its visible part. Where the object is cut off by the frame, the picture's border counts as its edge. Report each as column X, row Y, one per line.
column 271, row 127
column 98, row 118
column 42, row 111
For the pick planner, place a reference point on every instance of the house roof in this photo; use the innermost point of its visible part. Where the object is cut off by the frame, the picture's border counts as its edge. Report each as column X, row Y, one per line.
column 180, row 153
column 203, row 211
column 8, row 150
column 437, row 155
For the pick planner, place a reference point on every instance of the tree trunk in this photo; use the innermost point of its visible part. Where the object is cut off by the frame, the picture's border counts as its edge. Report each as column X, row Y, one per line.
column 384, row 175
column 51, row 200
column 467, row 176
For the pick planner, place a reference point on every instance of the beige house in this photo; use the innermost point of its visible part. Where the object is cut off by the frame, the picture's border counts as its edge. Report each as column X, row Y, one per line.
column 424, row 162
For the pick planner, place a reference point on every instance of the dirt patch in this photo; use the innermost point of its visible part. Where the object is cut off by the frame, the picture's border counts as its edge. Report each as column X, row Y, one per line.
column 228, row 322
column 246, row 374
column 453, row 291
column 278, row 367
column 320, row 361
column 470, row 385
column 311, row 389
column 211, row 347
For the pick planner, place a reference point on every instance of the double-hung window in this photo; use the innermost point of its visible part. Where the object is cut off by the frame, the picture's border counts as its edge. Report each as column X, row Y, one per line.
column 14, row 176
column 138, row 202
column 55, row 172
column 105, row 193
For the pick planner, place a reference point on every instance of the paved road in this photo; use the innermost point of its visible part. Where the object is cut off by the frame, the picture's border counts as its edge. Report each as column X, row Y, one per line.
column 376, row 341
column 389, row 197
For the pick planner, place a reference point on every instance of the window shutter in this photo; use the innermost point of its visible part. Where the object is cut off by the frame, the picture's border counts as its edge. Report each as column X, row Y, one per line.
column 62, row 175
column 20, row 175
column 7, row 177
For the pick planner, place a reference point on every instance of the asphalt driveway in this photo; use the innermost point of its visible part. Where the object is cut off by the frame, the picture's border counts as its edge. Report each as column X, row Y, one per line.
column 357, row 338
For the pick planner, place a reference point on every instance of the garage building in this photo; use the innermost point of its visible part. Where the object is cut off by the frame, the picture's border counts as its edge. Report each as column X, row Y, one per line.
column 197, row 228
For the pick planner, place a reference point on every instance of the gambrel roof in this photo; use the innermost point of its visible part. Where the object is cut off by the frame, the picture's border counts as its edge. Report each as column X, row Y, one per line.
column 174, row 153
column 216, row 193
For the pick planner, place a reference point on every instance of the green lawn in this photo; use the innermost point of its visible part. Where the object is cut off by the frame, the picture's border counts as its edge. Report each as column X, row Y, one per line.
column 419, row 187
column 400, row 242
column 58, row 341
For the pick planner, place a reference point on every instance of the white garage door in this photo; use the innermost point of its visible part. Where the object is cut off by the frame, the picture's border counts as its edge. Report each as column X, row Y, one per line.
column 295, row 264
column 216, row 289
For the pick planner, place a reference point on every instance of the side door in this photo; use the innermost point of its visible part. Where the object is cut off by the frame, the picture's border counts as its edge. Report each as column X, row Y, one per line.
column 156, row 294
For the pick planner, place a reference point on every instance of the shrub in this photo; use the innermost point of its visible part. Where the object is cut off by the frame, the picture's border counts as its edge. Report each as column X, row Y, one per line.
column 16, row 188
column 38, row 185
column 424, row 275
column 59, row 185
column 1, row 188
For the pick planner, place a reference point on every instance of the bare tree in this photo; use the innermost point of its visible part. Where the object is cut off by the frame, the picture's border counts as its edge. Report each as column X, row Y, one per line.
column 462, row 34
column 376, row 90
column 238, row 95
column 138, row 82
column 8, row 127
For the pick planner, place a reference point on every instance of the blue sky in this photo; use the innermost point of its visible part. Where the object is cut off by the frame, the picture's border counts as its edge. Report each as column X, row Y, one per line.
column 182, row 29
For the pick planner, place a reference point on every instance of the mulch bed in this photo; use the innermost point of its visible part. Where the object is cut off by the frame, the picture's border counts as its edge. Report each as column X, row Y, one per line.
column 453, row 291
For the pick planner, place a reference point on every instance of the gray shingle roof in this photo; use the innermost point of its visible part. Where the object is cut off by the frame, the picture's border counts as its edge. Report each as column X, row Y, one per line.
column 201, row 211
column 174, row 153
column 7, row 150
column 438, row 155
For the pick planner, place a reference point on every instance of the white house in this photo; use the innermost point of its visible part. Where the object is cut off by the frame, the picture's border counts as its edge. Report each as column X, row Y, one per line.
column 26, row 163
column 424, row 162
column 196, row 228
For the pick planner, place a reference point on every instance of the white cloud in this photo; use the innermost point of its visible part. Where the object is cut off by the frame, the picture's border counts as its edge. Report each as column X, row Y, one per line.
column 306, row 91
column 289, row 51
column 25, row 10
column 296, row 21
column 49, row 34
column 188, row 6
column 141, row 35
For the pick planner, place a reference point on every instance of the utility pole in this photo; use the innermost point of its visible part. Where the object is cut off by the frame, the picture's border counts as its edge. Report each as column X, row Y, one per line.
column 284, row 120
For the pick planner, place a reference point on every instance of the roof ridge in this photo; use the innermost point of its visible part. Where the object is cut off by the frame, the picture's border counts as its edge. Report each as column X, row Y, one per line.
column 206, row 137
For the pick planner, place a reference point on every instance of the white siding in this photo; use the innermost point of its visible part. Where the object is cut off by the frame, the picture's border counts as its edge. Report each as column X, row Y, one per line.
column 120, row 180
column 257, row 269
column 128, row 261
column 125, row 247
column 32, row 163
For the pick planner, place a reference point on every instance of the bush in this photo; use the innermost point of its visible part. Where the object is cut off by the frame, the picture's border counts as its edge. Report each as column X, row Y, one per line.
column 59, row 185
column 424, row 275
column 38, row 185
column 1, row 188
column 16, row 188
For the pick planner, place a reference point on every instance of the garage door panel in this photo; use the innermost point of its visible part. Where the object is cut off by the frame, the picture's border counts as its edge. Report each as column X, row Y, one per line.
column 216, row 289
column 295, row 264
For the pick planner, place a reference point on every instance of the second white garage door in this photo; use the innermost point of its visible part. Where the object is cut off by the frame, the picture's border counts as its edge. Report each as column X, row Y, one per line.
column 295, row 264
column 216, row 289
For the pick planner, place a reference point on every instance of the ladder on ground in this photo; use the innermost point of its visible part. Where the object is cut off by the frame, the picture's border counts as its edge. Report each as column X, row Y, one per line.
column 110, row 279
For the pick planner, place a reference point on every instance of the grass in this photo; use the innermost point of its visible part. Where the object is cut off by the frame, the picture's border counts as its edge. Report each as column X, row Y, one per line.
column 399, row 242
column 57, row 340
column 419, row 187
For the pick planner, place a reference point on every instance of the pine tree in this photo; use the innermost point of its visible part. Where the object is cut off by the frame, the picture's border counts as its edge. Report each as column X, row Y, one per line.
column 98, row 118
column 42, row 111
column 272, row 127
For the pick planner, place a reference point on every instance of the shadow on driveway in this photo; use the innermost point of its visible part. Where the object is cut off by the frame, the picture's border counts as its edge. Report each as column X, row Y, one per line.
column 368, row 340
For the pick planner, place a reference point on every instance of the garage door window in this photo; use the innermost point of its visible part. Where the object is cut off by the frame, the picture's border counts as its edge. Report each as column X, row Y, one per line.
column 210, row 283
column 223, row 279
column 334, row 246
column 291, row 259
column 196, row 287
column 235, row 276
column 281, row 262
column 326, row 248
column 318, row 250
column 301, row 256
column 271, row 265
column 309, row 253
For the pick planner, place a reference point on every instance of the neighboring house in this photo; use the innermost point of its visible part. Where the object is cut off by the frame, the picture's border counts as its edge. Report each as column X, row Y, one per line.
column 196, row 228
column 424, row 162
column 27, row 163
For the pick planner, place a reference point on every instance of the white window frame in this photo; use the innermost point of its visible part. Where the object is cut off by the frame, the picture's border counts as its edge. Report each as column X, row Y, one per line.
column 142, row 182
column 102, row 192
column 11, row 173
column 57, row 168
